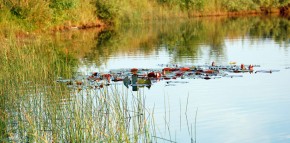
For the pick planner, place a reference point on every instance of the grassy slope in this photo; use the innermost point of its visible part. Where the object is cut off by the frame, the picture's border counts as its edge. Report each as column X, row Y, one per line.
column 43, row 15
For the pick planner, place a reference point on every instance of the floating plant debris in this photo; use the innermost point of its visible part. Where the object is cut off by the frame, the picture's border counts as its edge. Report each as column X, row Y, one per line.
column 141, row 77
column 266, row 71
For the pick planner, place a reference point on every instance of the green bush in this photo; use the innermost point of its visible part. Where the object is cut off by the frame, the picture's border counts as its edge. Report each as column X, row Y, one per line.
column 106, row 9
column 239, row 5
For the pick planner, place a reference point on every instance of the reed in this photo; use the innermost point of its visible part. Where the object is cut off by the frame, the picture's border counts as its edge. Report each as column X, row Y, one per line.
column 35, row 108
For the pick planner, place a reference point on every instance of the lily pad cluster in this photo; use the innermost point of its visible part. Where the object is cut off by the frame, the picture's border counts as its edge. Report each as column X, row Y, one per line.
column 145, row 77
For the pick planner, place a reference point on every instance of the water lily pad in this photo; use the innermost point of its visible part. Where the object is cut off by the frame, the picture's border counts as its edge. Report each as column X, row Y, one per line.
column 171, row 73
column 127, row 81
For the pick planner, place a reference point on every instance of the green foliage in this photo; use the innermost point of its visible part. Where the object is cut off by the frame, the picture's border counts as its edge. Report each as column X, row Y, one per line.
column 199, row 4
column 19, row 12
column 239, row 5
column 271, row 3
column 28, row 15
column 267, row 3
column 186, row 4
column 106, row 9
column 284, row 2
column 61, row 9
column 62, row 4
column 191, row 5
column 41, row 14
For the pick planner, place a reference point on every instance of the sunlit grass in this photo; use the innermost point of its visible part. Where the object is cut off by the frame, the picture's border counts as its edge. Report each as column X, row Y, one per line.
column 79, row 116
column 35, row 108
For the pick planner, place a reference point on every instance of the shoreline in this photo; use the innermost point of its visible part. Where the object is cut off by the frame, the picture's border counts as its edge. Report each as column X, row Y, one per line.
column 103, row 25
column 67, row 26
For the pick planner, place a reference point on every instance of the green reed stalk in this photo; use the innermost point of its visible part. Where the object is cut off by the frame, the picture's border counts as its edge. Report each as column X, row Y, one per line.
column 38, row 109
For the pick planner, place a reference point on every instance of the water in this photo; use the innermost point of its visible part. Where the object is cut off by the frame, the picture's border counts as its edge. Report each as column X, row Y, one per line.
column 253, row 108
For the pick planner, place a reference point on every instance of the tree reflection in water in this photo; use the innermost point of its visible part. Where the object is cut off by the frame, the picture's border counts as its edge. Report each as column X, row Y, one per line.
column 183, row 39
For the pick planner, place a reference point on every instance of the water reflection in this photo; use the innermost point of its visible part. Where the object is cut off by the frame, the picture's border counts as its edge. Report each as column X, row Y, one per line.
column 250, row 104
column 271, row 28
column 225, row 105
column 185, row 39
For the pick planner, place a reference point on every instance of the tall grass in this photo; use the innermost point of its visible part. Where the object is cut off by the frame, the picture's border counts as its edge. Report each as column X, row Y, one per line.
column 36, row 15
column 35, row 108
column 22, row 67
column 78, row 116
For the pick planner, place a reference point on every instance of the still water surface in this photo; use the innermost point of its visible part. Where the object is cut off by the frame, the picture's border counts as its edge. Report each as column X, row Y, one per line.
column 253, row 108
column 250, row 109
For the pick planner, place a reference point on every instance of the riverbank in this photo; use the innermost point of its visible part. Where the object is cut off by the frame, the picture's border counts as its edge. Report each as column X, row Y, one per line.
column 19, row 19
column 100, row 25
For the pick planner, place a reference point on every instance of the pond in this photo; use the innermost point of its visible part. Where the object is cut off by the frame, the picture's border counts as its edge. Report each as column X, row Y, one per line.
column 253, row 107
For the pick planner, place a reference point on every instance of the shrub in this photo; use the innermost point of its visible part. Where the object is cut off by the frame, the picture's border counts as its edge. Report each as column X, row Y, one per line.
column 239, row 5
column 106, row 9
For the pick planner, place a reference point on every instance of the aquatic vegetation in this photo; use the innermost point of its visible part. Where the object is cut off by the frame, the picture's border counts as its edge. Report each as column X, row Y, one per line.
column 170, row 73
column 79, row 116
column 36, row 108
